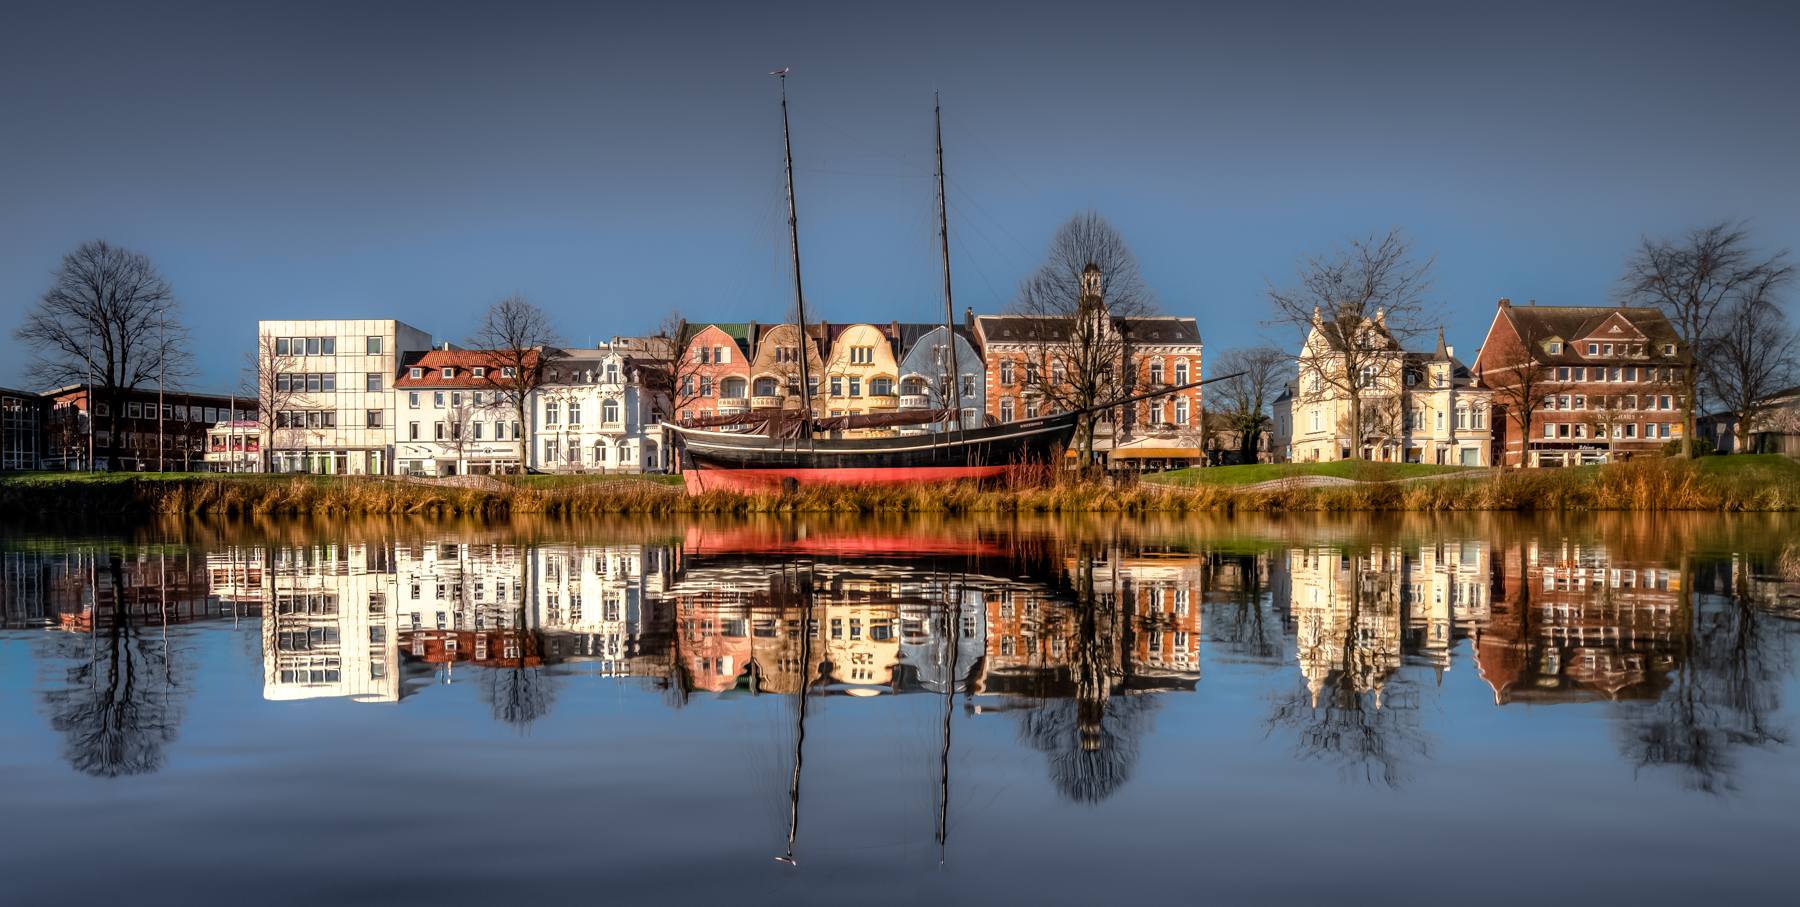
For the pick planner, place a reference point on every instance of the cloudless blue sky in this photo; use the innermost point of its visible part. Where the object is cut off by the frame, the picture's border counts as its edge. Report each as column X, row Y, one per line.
column 615, row 161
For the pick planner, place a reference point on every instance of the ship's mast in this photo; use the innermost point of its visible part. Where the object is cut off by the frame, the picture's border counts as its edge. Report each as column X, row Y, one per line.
column 955, row 388
column 799, row 295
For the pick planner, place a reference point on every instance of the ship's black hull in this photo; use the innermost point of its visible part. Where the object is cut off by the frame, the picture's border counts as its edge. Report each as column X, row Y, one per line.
column 713, row 460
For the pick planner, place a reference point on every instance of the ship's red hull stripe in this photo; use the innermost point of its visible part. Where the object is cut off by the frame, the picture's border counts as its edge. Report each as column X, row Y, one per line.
column 765, row 480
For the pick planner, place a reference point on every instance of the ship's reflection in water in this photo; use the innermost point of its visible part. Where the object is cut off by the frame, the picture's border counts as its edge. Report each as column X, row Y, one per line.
column 1077, row 638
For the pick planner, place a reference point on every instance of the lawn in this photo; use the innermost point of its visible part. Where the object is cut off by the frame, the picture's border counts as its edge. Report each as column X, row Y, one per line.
column 1343, row 469
column 1776, row 465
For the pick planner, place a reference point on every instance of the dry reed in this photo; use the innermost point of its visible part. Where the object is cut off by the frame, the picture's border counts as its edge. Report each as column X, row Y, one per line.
column 1646, row 485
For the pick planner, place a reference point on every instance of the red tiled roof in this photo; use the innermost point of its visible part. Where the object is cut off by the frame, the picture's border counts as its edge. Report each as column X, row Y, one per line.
column 435, row 361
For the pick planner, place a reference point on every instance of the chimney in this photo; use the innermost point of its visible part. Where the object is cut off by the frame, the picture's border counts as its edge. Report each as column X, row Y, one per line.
column 1534, row 302
column 1451, row 350
column 1506, row 303
column 969, row 318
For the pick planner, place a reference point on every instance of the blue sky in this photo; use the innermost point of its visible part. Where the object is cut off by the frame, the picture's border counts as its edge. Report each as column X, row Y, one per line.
column 419, row 162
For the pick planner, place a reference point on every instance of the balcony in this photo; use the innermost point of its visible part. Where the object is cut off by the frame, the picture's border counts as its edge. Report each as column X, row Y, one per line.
column 883, row 401
column 915, row 401
column 734, row 404
column 765, row 402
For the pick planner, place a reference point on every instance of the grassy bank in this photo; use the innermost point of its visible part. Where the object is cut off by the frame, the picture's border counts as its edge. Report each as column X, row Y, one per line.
column 1251, row 474
column 1745, row 483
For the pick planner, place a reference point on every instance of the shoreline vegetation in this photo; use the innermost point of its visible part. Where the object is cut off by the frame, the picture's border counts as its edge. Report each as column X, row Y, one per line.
column 1755, row 483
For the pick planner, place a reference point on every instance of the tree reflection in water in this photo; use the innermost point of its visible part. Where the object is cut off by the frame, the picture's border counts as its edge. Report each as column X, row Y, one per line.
column 1091, row 740
column 1369, row 735
column 1724, row 693
column 1354, row 709
column 125, row 696
column 1091, row 745
column 518, row 696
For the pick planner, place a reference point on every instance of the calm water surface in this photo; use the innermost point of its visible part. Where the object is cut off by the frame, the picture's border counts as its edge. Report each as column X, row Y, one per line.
column 1356, row 709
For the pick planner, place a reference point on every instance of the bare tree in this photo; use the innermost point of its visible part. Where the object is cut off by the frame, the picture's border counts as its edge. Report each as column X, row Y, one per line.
column 1244, row 398
column 518, row 335
column 1520, row 383
column 1749, row 358
column 459, row 425
column 1354, row 308
column 265, row 379
column 1382, row 419
column 1691, row 278
column 1078, row 307
column 666, row 367
column 108, row 314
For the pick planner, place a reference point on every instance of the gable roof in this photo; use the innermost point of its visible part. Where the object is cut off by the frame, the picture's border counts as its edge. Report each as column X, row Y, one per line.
column 435, row 361
column 1333, row 333
column 1576, row 324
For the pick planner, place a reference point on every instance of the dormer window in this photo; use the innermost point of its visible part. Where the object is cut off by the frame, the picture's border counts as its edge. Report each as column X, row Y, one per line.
column 508, row 371
column 449, row 371
column 1668, row 349
column 1554, row 347
column 415, row 373
column 1606, row 350
column 1593, row 349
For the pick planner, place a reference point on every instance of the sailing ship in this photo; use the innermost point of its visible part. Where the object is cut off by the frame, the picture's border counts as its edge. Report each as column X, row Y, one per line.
column 781, row 450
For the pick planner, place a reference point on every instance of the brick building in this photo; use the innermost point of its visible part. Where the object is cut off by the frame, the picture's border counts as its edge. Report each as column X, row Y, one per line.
column 1601, row 383
column 181, row 428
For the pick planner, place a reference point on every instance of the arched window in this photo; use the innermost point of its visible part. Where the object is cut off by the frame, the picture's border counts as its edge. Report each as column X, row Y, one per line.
column 765, row 387
column 609, row 412
column 1181, row 410
column 600, row 453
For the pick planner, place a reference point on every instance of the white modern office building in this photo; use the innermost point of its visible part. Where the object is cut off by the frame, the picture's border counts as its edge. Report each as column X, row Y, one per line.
column 333, row 398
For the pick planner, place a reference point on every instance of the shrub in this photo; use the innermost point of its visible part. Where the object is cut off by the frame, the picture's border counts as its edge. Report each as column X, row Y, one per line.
column 1702, row 447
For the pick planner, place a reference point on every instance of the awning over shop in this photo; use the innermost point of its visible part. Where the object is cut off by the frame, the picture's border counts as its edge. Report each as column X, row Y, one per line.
column 1145, row 453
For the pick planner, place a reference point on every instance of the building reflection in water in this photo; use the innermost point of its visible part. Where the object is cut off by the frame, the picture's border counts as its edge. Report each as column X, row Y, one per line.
column 1078, row 643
